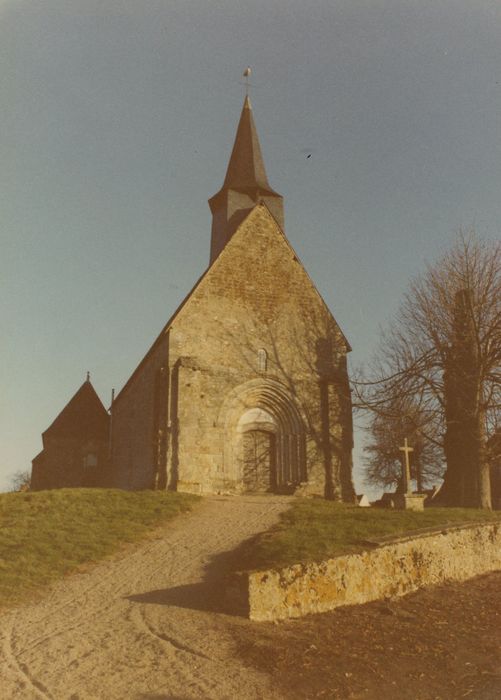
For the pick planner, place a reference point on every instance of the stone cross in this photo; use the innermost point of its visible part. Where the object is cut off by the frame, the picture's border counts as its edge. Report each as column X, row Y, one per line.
column 406, row 468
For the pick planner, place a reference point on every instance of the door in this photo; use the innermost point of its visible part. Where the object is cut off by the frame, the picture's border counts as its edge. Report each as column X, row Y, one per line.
column 259, row 460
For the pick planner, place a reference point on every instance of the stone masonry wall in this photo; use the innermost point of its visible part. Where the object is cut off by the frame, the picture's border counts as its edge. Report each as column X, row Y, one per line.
column 257, row 296
column 393, row 569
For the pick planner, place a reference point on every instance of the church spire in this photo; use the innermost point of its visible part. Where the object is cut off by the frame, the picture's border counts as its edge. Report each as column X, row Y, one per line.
column 246, row 167
column 245, row 185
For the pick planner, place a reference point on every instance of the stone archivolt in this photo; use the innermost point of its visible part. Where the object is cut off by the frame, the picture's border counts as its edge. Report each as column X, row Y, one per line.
column 287, row 426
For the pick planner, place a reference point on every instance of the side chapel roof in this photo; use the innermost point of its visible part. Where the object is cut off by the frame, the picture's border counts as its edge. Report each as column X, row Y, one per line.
column 84, row 416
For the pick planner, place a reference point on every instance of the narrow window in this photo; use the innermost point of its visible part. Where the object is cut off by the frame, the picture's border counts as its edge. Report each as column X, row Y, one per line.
column 262, row 360
column 90, row 460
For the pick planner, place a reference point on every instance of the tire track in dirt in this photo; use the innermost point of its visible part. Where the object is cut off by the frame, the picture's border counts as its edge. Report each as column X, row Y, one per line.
column 140, row 621
column 37, row 688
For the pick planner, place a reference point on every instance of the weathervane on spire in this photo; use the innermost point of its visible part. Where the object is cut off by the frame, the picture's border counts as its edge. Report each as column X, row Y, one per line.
column 246, row 75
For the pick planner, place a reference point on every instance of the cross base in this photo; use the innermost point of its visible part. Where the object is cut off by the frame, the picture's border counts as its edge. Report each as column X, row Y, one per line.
column 409, row 501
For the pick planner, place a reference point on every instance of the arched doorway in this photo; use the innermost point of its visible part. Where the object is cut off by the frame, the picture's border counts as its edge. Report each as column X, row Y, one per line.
column 264, row 438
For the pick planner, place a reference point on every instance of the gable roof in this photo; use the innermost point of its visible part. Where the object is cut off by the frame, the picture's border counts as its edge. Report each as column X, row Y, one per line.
column 83, row 416
column 262, row 206
column 201, row 279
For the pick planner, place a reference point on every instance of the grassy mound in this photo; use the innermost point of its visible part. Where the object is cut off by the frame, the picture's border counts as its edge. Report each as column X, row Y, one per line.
column 313, row 530
column 46, row 534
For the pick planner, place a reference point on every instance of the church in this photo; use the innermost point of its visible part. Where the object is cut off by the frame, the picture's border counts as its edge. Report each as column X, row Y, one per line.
column 246, row 387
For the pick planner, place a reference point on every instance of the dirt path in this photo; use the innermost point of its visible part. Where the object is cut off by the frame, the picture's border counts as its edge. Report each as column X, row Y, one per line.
column 141, row 626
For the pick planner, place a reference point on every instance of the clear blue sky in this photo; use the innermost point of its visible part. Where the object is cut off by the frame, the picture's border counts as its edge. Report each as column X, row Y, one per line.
column 117, row 119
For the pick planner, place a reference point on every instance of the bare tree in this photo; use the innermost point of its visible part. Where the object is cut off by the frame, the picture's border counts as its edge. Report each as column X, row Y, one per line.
column 383, row 457
column 443, row 352
column 20, row 480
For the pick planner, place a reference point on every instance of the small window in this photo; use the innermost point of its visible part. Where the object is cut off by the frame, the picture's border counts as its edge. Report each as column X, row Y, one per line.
column 262, row 360
column 90, row 460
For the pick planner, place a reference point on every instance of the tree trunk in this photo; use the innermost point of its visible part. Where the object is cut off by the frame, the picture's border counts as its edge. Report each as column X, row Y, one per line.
column 484, row 472
column 452, row 492
column 466, row 481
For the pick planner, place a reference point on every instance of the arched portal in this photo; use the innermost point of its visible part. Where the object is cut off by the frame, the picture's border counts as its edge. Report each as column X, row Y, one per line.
column 264, row 437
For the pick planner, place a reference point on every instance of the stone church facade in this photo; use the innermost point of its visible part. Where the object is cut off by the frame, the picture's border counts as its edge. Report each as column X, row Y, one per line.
column 246, row 387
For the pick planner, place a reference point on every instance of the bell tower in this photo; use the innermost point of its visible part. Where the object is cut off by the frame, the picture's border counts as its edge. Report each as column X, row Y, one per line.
column 245, row 185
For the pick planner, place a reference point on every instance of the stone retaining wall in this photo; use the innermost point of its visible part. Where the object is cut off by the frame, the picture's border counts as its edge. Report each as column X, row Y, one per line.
column 388, row 569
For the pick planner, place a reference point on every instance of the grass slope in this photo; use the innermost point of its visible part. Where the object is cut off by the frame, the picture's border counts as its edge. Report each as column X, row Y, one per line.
column 313, row 530
column 46, row 534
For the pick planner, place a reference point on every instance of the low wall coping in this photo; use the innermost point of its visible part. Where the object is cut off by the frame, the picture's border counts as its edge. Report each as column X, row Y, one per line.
column 425, row 532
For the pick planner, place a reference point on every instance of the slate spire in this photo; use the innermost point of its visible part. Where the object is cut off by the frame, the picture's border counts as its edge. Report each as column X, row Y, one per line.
column 246, row 167
column 245, row 185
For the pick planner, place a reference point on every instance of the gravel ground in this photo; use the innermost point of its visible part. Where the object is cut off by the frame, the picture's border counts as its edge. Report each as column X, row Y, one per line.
column 151, row 623
column 440, row 643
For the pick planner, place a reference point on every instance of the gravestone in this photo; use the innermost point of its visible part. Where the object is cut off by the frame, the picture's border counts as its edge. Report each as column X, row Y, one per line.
column 363, row 501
